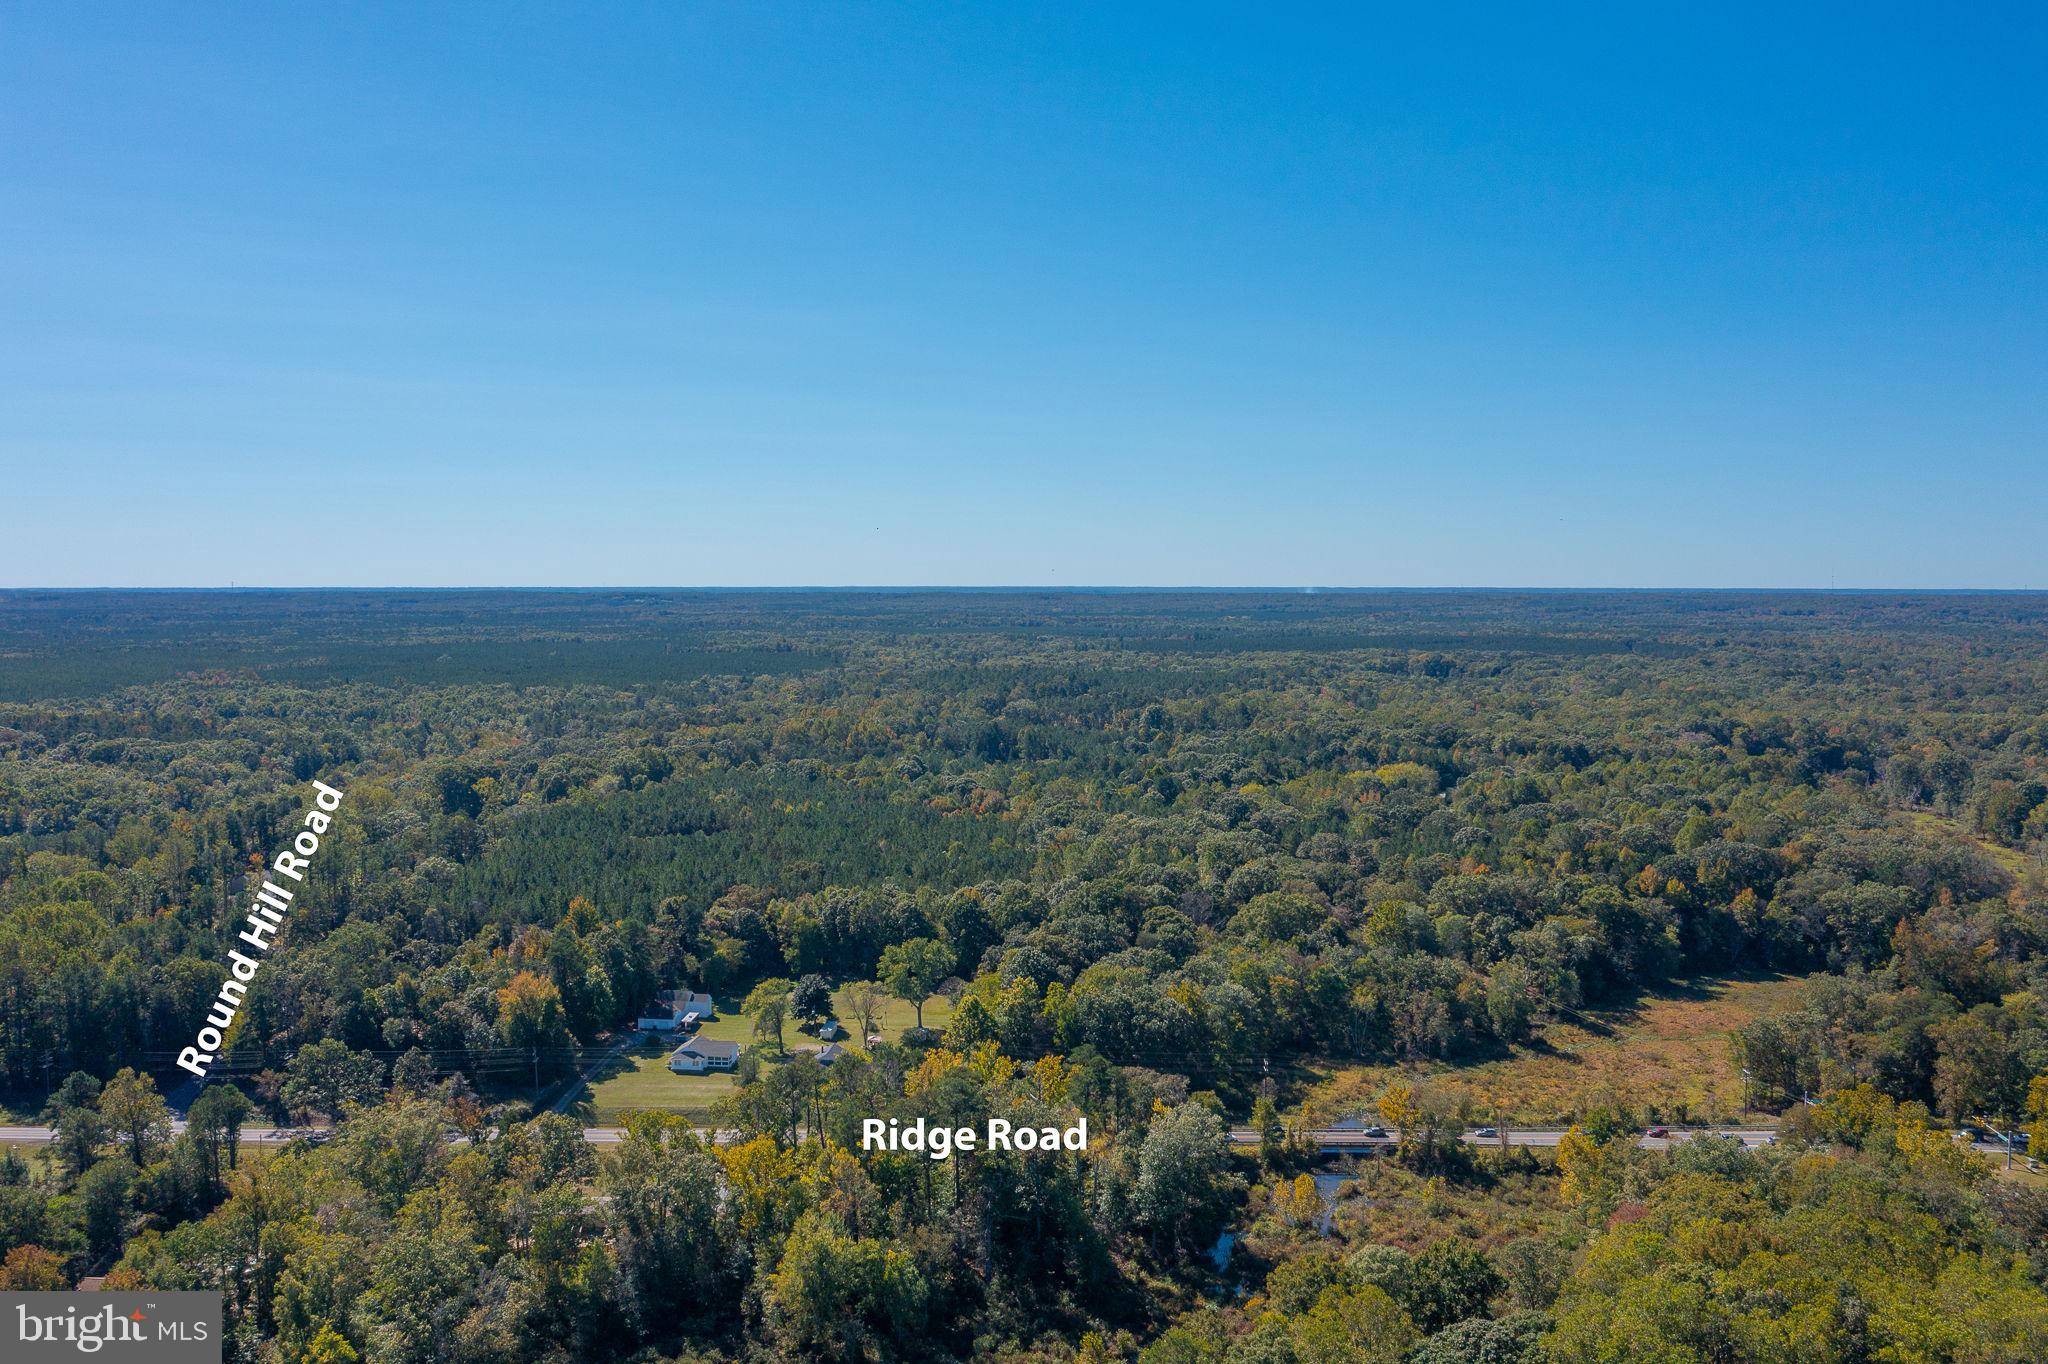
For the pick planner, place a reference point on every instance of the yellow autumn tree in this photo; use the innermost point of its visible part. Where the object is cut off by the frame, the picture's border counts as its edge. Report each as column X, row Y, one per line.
column 1930, row 1150
column 1297, row 1202
column 1857, row 1114
column 330, row 1346
column 1052, row 1078
column 761, row 1179
column 935, row 1066
column 988, row 1063
column 1588, row 1175
column 1397, row 1106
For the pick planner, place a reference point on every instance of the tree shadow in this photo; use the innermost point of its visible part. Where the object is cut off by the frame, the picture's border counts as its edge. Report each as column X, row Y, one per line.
column 1611, row 1013
column 619, row 1062
column 615, row 1063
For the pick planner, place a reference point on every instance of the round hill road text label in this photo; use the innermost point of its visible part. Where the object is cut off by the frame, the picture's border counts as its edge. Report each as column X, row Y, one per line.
column 266, row 917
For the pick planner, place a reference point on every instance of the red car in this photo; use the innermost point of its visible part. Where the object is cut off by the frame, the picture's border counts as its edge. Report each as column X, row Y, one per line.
column 1658, row 1132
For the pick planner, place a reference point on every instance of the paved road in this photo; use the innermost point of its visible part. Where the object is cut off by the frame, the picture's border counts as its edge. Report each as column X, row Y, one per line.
column 255, row 1136
column 1327, row 1140
column 1338, row 1140
column 1350, row 1140
column 278, row 1136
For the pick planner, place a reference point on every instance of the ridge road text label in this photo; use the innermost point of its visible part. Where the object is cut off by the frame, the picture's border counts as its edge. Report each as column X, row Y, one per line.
column 938, row 1142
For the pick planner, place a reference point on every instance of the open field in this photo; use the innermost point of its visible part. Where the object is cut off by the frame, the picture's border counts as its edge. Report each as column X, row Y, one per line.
column 1668, row 1053
column 642, row 1080
column 895, row 1016
column 1926, row 822
column 2019, row 1173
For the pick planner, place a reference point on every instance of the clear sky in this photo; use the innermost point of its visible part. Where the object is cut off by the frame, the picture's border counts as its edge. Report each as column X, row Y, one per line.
column 751, row 293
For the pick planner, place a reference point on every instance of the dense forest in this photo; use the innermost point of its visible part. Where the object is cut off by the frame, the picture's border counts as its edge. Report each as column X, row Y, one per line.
column 1174, row 861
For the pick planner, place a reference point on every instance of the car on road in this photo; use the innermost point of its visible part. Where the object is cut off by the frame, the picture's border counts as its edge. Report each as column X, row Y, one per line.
column 1375, row 1131
column 1658, row 1132
column 1486, row 1132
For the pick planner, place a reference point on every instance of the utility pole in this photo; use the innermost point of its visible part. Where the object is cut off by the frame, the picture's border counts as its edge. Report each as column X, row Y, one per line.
column 534, row 1052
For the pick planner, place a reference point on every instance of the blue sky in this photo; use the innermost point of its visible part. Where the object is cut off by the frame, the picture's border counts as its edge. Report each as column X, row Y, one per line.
column 767, row 294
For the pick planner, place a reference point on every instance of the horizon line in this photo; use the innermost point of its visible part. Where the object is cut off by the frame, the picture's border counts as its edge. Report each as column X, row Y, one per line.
column 1295, row 589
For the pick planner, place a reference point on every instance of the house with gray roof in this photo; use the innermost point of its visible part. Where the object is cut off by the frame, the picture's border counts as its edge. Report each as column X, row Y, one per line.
column 701, row 1054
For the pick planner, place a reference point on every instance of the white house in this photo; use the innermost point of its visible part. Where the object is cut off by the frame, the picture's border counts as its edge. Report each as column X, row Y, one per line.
column 701, row 1054
column 673, row 1009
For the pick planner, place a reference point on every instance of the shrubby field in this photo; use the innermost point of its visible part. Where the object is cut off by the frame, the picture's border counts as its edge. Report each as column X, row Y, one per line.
column 1183, row 863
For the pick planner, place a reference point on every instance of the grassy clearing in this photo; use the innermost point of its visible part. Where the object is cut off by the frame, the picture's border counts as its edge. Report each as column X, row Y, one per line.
column 43, row 1161
column 896, row 1016
column 2019, row 1173
column 1670, row 1053
column 39, row 1156
column 641, row 1080
column 2011, row 859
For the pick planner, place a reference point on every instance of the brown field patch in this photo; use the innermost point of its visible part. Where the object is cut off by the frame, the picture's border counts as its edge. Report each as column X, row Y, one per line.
column 1669, row 1053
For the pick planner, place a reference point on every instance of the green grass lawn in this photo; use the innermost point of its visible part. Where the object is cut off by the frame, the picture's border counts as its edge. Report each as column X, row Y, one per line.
column 894, row 1017
column 40, row 1156
column 641, row 1079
